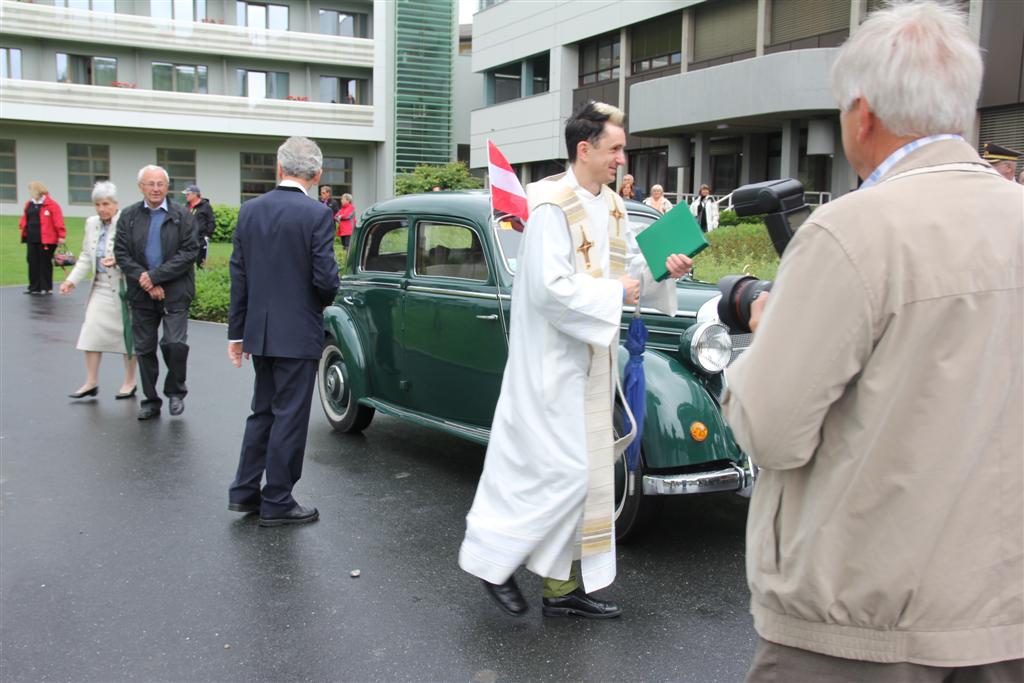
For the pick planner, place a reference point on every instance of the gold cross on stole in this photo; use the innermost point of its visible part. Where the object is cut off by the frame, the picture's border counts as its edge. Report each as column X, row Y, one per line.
column 618, row 216
column 585, row 246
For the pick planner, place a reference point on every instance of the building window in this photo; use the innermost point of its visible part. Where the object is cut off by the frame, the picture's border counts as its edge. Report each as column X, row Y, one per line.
column 657, row 43
column 182, row 10
column 341, row 90
column 10, row 62
column 599, row 59
column 87, row 165
column 180, row 165
column 259, row 174
column 724, row 28
column 508, row 82
column 94, row 5
column 8, row 172
column 347, row 24
column 179, row 77
column 798, row 19
column 337, row 174
column 86, row 70
column 257, row 15
column 541, row 68
column 258, row 85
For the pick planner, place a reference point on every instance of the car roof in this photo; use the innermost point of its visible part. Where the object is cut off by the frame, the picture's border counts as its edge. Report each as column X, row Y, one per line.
column 469, row 203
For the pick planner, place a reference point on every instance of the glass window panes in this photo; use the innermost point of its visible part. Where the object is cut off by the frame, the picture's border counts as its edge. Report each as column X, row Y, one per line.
column 341, row 90
column 260, row 15
column 541, row 74
column 277, row 17
column 180, row 165
column 94, row 5
column 599, row 59
column 277, row 85
column 161, row 9
column 449, row 251
column 350, row 25
column 104, row 70
column 10, row 62
column 384, row 248
column 86, row 70
column 258, row 172
column 163, row 76
column 508, row 82
column 8, row 173
column 338, row 174
column 87, row 164
column 184, row 10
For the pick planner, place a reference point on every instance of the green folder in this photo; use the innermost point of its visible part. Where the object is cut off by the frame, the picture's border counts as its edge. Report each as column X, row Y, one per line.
column 676, row 232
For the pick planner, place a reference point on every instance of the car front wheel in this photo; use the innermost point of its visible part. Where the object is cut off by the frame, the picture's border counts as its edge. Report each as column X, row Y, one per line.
column 344, row 413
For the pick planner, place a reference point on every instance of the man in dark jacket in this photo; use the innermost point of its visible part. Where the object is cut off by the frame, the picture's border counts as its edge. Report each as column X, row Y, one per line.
column 156, row 248
column 283, row 273
column 205, row 222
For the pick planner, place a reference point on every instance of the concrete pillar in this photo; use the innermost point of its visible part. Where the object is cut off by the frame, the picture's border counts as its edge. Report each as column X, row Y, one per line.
column 790, row 165
column 526, row 78
column 686, row 48
column 762, row 27
column 844, row 178
column 701, row 159
column 624, row 64
column 858, row 12
column 679, row 152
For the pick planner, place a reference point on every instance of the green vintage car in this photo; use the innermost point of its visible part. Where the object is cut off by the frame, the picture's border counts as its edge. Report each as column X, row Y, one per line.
column 419, row 331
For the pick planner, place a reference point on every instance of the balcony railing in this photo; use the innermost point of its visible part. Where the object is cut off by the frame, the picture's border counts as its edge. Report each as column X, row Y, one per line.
column 100, row 28
column 91, row 104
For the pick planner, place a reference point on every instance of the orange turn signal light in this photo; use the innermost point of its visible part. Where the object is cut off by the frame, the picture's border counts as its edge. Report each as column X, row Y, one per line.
column 699, row 431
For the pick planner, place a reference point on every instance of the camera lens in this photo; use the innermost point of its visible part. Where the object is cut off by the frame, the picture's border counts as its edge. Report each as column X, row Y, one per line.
column 738, row 293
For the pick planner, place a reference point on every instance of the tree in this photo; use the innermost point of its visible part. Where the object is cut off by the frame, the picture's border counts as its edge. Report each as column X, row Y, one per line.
column 453, row 176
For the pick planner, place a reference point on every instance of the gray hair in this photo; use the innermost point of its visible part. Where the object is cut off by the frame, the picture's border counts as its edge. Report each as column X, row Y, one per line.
column 347, row 197
column 916, row 66
column 300, row 157
column 153, row 167
column 104, row 189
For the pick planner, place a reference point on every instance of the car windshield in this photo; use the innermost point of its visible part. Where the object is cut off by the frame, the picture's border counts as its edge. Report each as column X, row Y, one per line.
column 509, row 238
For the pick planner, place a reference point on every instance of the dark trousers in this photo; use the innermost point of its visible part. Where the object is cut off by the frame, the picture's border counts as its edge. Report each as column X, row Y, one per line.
column 275, row 433
column 773, row 662
column 40, row 266
column 145, row 325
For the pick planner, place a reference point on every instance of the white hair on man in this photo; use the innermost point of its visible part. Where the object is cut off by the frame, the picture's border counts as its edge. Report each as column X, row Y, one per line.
column 153, row 167
column 300, row 157
column 916, row 66
column 104, row 189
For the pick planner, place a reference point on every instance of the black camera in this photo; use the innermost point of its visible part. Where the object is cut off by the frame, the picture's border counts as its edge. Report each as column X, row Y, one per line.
column 782, row 202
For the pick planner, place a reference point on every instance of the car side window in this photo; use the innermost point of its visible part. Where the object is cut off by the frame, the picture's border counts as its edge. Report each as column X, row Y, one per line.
column 445, row 250
column 385, row 247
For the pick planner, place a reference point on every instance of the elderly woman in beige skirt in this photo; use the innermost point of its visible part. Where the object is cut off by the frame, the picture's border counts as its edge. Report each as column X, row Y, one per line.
column 103, row 329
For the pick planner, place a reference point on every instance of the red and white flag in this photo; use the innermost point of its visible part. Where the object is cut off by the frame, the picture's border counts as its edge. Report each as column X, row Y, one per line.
column 507, row 194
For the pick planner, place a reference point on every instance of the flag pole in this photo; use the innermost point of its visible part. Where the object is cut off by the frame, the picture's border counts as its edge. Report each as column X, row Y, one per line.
column 490, row 194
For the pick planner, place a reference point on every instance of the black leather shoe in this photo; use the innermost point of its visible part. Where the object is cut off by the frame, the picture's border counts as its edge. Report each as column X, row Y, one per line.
column 296, row 515
column 244, row 507
column 148, row 412
column 88, row 392
column 508, row 596
column 580, row 604
column 176, row 405
column 127, row 394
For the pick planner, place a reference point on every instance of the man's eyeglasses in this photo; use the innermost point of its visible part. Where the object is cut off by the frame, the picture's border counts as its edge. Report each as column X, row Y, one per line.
column 154, row 185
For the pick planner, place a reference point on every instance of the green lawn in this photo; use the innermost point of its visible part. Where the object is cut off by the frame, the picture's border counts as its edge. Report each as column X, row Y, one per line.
column 13, row 268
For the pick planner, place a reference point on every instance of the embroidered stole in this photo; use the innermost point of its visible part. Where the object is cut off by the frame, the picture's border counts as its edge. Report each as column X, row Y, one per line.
column 598, row 528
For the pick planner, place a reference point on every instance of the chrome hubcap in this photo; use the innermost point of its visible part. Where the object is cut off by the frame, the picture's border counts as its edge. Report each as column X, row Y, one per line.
column 335, row 383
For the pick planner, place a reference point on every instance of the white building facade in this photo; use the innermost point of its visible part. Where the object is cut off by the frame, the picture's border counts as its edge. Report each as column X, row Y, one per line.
column 722, row 92
column 95, row 89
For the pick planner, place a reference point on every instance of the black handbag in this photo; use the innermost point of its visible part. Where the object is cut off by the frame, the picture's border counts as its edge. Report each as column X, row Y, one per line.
column 63, row 256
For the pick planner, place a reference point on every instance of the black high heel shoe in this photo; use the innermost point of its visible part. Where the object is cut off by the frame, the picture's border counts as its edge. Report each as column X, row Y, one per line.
column 130, row 394
column 88, row 392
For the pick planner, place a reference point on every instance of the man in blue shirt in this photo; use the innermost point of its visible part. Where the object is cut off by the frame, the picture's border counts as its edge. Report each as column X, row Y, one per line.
column 156, row 247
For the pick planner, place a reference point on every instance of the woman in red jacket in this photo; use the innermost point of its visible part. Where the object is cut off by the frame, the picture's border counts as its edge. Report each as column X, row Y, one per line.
column 346, row 219
column 42, row 229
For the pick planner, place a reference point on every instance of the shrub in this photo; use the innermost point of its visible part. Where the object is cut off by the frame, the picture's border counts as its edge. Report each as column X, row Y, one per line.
column 213, row 293
column 226, row 218
column 453, row 176
column 728, row 217
column 736, row 249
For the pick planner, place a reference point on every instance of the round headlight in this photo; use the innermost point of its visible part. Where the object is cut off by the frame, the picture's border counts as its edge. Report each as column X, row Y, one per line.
column 709, row 346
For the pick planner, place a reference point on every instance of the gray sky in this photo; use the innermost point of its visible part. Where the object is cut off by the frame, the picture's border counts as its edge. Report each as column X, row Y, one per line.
column 466, row 8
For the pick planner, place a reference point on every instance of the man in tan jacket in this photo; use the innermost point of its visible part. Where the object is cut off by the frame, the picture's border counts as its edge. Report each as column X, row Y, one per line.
column 882, row 395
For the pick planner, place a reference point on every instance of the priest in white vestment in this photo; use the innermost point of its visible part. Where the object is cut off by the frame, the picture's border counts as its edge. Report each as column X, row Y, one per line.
column 546, row 497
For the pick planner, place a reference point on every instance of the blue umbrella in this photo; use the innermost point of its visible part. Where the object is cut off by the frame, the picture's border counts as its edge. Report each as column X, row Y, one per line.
column 634, row 385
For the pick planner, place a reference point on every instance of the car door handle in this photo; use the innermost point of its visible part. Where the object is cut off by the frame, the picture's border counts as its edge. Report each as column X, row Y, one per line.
column 352, row 300
column 492, row 316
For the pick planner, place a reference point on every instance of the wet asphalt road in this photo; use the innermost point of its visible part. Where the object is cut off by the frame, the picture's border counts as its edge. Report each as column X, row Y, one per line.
column 120, row 562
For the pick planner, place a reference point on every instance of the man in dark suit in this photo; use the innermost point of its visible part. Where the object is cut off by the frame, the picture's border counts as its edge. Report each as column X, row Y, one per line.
column 156, row 248
column 283, row 273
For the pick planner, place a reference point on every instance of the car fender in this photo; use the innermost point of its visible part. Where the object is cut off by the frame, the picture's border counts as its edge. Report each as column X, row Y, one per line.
column 675, row 400
column 338, row 323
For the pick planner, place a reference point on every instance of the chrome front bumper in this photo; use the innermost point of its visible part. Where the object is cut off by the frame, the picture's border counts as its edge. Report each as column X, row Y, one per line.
column 736, row 477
